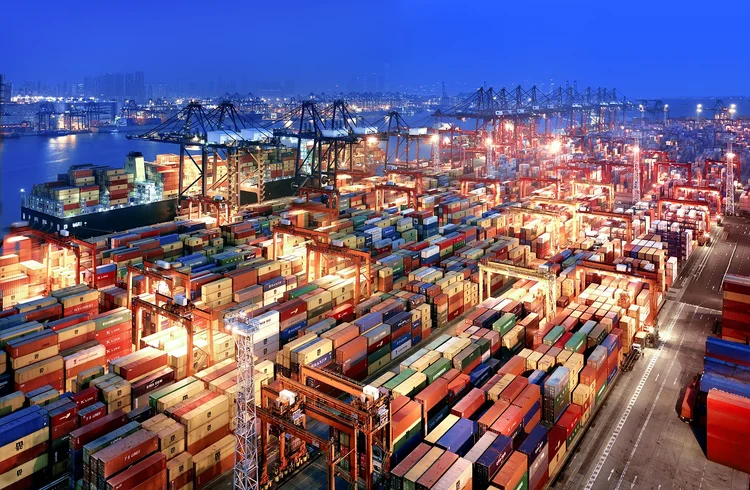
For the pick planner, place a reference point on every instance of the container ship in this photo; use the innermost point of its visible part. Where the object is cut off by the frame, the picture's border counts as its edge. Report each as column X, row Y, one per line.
column 91, row 200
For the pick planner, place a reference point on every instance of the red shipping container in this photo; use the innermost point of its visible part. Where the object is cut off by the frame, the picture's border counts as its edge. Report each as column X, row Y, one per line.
column 728, row 438
column 491, row 415
column 119, row 350
column 114, row 330
column 143, row 366
column 450, row 375
column 433, row 394
column 458, row 385
column 223, row 465
column 469, row 404
column 139, row 472
column 87, row 307
column 92, row 416
column 509, row 423
column 518, row 385
column 64, row 428
column 342, row 313
column 211, row 438
column 31, row 343
column 68, row 321
column 116, row 339
column 516, row 365
column 52, row 312
column 86, row 397
column 24, row 455
column 105, row 425
column 54, row 379
column 404, row 418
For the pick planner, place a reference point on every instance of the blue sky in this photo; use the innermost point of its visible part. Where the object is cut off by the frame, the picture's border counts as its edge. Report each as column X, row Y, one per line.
column 644, row 48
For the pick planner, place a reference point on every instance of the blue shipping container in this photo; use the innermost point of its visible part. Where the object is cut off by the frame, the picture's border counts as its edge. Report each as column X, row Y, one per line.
column 459, row 438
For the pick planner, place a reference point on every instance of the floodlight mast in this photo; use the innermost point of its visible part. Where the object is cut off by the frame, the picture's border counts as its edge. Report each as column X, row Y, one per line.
column 243, row 327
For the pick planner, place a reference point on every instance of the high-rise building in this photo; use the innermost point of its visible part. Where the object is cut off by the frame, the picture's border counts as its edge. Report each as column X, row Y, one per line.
column 140, row 87
column 129, row 91
column 6, row 90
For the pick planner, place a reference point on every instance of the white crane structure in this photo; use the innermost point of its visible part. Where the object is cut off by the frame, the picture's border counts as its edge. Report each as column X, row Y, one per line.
column 242, row 327
column 729, row 198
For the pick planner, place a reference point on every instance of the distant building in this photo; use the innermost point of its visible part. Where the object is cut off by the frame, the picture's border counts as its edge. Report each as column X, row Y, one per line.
column 6, row 90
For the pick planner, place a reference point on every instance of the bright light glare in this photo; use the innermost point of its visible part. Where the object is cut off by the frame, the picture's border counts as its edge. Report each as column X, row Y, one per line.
column 372, row 140
column 730, row 155
column 434, row 138
column 508, row 126
column 488, row 141
column 23, row 190
column 555, row 146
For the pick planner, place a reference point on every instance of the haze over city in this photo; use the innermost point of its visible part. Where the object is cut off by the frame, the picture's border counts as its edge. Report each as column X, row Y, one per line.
column 644, row 48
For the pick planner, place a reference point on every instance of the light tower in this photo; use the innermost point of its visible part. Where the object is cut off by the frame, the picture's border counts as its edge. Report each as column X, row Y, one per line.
column 729, row 198
column 436, row 148
column 636, row 171
column 666, row 114
column 246, row 438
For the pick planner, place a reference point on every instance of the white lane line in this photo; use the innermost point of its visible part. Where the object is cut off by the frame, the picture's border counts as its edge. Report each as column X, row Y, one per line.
column 634, row 479
column 631, row 404
column 657, row 377
column 675, row 381
column 650, row 412
column 727, row 269
column 610, row 474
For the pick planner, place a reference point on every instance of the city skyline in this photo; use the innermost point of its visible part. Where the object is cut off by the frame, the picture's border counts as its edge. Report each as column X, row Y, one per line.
column 422, row 43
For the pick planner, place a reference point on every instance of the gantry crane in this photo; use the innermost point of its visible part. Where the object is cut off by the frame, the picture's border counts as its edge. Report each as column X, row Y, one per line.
column 206, row 205
column 693, row 204
column 365, row 414
column 416, row 175
column 552, row 215
column 690, row 190
column 150, row 272
column 547, row 280
column 62, row 240
column 381, row 189
column 688, row 166
column 243, row 327
column 542, row 180
column 186, row 315
column 208, row 137
column 607, row 187
column 489, row 183
column 356, row 256
column 649, row 278
column 319, row 237
column 627, row 219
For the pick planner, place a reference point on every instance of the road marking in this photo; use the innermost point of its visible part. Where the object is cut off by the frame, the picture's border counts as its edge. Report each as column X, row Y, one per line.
column 653, row 407
column 631, row 404
column 634, row 479
column 675, row 381
column 657, row 377
column 727, row 269
column 610, row 474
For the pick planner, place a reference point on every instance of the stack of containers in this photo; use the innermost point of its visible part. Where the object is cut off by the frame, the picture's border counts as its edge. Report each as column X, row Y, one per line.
column 556, row 394
column 735, row 320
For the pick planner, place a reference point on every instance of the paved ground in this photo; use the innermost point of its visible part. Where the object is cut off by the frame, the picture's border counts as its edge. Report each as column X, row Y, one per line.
column 637, row 440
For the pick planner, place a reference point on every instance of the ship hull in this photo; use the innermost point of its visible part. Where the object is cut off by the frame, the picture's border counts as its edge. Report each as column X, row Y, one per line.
column 95, row 224
column 274, row 190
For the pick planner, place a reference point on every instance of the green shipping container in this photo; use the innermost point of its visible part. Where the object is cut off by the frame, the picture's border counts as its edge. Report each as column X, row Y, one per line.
column 577, row 343
column 600, row 392
column 437, row 369
column 484, row 345
column 574, row 433
column 466, row 357
column 504, row 323
column 378, row 354
column 399, row 378
column 296, row 293
column 438, row 341
column 553, row 335
column 596, row 336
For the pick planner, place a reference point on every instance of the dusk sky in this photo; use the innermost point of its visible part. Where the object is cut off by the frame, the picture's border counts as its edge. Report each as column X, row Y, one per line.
column 643, row 48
